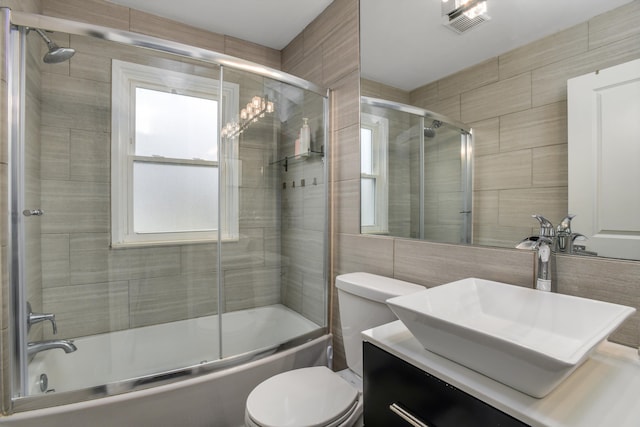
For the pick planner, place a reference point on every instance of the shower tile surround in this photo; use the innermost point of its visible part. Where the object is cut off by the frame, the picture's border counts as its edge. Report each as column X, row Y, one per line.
column 422, row 262
column 95, row 289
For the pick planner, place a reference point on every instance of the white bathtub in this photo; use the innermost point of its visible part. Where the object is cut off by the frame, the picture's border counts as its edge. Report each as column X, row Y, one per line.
column 105, row 364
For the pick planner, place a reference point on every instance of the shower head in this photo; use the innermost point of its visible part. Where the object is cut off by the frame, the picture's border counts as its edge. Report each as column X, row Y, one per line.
column 56, row 54
column 430, row 132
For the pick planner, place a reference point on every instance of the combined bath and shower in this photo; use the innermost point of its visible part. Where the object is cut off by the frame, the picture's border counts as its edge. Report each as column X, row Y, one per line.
column 56, row 54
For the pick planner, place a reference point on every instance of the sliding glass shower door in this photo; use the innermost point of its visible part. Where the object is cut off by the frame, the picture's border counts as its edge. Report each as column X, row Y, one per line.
column 164, row 218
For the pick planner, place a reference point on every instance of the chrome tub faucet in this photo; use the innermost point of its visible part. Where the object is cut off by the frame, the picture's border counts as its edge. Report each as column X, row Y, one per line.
column 40, row 317
column 35, row 347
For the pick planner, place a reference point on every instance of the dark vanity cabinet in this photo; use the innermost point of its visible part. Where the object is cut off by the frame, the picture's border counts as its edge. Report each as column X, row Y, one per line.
column 397, row 393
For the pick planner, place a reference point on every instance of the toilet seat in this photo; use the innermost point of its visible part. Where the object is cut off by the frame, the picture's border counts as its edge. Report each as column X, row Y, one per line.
column 311, row 397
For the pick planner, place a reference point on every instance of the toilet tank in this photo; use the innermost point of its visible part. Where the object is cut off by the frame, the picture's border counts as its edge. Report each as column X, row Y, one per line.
column 361, row 299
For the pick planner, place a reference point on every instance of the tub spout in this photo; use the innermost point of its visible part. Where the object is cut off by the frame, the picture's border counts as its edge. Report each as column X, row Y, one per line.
column 36, row 347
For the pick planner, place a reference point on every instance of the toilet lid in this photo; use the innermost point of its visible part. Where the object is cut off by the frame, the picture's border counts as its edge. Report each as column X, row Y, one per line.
column 303, row 397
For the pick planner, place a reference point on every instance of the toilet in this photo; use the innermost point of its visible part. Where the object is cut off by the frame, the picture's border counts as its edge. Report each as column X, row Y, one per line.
column 317, row 396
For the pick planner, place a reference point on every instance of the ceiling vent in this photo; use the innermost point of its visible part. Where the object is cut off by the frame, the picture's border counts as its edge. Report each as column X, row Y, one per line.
column 463, row 15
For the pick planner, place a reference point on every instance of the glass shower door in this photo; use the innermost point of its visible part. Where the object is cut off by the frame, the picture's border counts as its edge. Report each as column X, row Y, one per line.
column 120, row 156
column 273, row 248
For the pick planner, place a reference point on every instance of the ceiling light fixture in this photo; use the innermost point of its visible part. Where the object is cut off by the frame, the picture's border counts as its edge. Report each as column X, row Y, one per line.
column 254, row 110
column 462, row 15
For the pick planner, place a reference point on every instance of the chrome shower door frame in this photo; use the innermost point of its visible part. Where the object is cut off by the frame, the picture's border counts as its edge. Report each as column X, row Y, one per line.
column 16, row 27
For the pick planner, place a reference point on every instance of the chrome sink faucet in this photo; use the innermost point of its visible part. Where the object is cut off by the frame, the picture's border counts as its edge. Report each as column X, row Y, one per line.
column 545, row 248
column 564, row 236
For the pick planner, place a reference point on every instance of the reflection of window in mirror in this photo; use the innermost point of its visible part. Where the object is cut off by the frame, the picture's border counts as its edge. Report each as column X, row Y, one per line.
column 374, row 142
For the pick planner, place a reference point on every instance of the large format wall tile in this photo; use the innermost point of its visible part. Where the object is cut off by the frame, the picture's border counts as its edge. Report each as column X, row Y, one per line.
column 545, row 51
column 75, row 206
column 433, row 264
column 153, row 25
column 505, row 170
column 604, row 279
column 251, row 288
column 93, row 11
column 517, row 206
column 471, row 78
column 373, row 254
column 88, row 309
column 615, row 25
column 75, row 103
column 537, row 127
column 549, row 83
column 503, row 97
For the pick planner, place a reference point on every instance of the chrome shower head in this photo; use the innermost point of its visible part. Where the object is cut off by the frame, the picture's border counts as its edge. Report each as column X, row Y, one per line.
column 56, row 54
column 429, row 132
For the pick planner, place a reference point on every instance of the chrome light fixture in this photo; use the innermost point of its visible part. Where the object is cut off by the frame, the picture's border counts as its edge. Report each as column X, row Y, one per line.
column 462, row 15
column 255, row 110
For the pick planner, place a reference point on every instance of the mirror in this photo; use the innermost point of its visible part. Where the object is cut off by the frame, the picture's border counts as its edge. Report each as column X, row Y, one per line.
column 416, row 173
column 506, row 78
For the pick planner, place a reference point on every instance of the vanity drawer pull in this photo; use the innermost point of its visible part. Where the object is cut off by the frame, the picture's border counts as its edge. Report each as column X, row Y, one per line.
column 407, row 416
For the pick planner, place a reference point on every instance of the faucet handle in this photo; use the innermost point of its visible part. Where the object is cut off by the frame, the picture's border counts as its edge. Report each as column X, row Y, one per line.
column 40, row 317
column 565, row 224
column 546, row 228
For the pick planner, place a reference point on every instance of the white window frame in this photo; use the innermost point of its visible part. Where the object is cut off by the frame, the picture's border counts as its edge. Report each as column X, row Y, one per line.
column 126, row 77
column 379, row 127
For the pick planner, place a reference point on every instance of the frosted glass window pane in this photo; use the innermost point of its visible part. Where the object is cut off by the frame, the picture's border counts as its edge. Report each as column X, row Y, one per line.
column 366, row 151
column 174, row 198
column 368, row 202
column 175, row 126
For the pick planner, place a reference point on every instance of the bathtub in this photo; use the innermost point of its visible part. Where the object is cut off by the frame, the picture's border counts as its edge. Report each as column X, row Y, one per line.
column 209, row 392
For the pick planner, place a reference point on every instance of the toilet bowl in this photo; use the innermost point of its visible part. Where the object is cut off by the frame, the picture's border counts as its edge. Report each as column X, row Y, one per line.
column 314, row 397
column 317, row 396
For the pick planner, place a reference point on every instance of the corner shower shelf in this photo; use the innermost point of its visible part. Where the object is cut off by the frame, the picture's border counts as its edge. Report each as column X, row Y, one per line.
column 294, row 159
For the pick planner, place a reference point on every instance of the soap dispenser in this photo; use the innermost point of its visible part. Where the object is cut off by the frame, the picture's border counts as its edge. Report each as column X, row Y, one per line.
column 305, row 138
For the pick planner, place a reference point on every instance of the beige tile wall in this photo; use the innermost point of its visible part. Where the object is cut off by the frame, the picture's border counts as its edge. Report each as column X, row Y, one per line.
column 327, row 52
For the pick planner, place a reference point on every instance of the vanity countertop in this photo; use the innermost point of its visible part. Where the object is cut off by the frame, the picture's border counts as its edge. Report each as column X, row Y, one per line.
column 604, row 391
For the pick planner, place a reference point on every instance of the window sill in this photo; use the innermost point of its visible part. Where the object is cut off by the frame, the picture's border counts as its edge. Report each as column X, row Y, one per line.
column 164, row 243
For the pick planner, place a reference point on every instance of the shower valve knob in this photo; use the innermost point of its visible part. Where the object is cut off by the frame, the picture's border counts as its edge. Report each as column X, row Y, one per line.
column 33, row 212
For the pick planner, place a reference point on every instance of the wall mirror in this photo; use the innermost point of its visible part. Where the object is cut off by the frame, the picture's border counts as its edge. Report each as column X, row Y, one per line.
column 501, row 69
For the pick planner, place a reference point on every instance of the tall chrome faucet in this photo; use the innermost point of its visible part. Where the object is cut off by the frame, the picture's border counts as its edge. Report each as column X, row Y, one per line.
column 545, row 248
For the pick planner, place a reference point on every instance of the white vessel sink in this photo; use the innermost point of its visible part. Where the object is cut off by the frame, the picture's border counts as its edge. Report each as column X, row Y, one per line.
column 527, row 339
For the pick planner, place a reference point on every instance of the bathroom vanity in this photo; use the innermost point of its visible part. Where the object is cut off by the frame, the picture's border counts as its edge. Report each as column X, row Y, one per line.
column 402, row 380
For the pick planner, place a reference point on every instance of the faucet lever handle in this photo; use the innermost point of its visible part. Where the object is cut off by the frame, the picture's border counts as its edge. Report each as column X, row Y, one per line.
column 40, row 317
column 546, row 228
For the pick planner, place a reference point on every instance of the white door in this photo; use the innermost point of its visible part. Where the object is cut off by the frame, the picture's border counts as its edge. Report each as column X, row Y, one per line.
column 604, row 159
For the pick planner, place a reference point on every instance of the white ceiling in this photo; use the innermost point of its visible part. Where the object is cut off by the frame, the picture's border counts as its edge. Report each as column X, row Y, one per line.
column 272, row 23
column 403, row 42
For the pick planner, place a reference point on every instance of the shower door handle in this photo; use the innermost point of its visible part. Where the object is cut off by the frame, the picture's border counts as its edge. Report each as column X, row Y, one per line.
column 33, row 212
